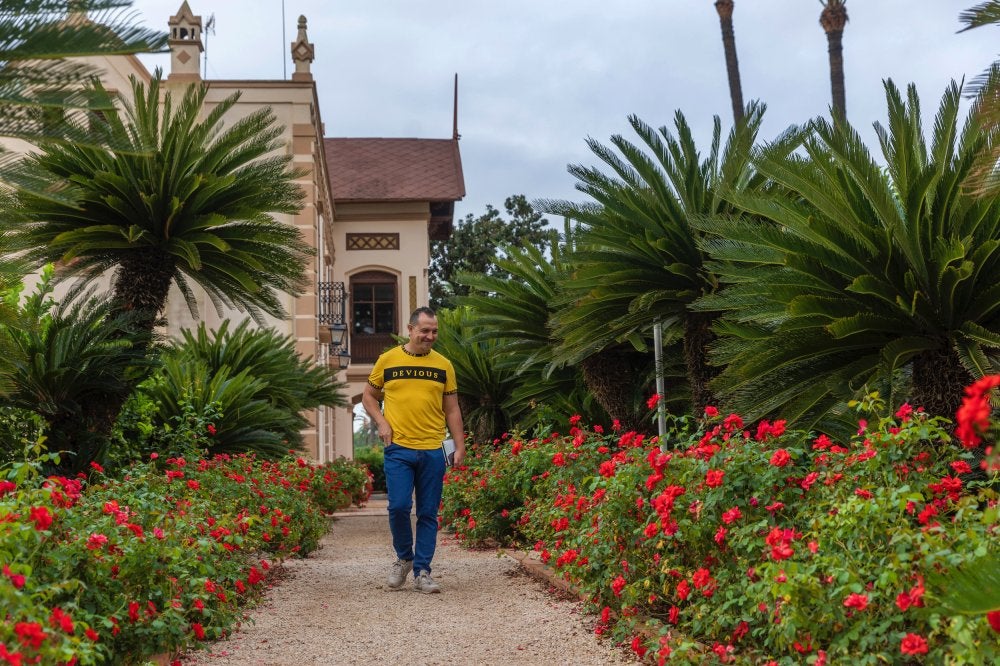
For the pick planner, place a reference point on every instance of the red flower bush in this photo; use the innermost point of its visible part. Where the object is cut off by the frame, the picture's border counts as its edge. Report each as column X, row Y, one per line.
column 973, row 416
column 762, row 542
column 86, row 580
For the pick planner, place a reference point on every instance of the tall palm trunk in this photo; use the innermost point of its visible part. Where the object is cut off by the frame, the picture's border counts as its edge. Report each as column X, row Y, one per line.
column 938, row 382
column 833, row 19
column 725, row 9
column 697, row 336
column 612, row 376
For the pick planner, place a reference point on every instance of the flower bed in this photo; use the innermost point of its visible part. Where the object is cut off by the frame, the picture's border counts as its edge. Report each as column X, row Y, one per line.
column 752, row 545
column 117, row 570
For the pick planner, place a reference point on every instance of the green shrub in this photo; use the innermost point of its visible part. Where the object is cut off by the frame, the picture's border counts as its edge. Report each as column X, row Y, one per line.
column 373, row 458
column 19, row 429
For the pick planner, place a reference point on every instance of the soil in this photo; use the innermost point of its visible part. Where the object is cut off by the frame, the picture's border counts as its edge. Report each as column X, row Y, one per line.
column 334, row 607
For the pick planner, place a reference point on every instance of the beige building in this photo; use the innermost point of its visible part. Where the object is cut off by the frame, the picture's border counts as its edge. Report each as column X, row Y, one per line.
column 371, row 208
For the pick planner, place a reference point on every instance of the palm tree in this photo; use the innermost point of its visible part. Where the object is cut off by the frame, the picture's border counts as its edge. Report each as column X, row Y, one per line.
column 725, row 10
column 833, row 18
column 985, row 177
column 191, row 201
column 42, row 92
column 638, row 257
column 863, row 275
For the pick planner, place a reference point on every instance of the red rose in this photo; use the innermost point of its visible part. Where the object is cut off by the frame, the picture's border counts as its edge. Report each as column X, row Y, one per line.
column 780, row 458
column 913, row 644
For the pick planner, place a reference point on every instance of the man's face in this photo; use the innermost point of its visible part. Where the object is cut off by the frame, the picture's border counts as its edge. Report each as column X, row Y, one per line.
column 423, row 334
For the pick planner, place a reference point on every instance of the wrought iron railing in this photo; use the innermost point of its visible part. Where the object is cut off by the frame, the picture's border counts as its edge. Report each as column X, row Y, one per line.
column 332, row 313
column 332, row 303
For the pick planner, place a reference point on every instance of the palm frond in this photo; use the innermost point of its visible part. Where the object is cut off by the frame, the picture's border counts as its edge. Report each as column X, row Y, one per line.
column 191, row 201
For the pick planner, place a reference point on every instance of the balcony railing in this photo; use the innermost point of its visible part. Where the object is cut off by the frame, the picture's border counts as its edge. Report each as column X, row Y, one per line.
column 366, row 347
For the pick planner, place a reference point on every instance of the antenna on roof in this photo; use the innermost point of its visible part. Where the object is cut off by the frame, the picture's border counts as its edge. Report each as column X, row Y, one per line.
column 209, row 29
column 454, row 124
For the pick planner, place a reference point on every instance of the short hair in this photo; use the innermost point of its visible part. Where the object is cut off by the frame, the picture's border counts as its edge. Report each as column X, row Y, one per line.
column 415, row 317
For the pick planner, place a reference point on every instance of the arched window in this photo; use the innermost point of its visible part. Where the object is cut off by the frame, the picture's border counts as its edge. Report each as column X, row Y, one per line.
column 374, row 314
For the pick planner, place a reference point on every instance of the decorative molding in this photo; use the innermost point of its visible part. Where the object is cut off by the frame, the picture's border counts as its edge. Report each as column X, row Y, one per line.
column 373, row 241
column 413, row 293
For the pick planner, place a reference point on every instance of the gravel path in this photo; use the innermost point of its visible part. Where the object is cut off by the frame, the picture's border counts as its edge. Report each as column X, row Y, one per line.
column 334, row 608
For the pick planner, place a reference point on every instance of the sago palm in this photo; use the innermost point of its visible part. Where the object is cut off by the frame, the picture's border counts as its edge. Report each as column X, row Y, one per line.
column 638, row 258
column 72, row 364
column 242, row 418
column 253, row 376
column 484, row 386
column 293, row 383
column 43, row 91
column 862, row 273
column 516, row 312
column 192, row 201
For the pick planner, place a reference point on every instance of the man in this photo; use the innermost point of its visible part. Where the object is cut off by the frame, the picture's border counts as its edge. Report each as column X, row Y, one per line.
column 420, row 392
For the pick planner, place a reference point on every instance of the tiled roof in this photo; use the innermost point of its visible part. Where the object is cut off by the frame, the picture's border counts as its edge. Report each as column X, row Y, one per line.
column 394, row 169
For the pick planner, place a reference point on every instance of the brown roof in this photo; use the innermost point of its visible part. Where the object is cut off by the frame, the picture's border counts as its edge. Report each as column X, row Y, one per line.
column 394, row 169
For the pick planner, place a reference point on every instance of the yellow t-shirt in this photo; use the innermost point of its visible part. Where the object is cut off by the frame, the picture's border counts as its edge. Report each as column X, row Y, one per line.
column 414, row 387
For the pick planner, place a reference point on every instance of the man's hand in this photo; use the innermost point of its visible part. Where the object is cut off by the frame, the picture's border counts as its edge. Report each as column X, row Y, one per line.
column 371, row 399
column 453, row 417
column 385, row 432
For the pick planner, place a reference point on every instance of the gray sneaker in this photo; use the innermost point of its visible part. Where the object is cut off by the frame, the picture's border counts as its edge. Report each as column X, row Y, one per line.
column 423, row 582
column 398, row 573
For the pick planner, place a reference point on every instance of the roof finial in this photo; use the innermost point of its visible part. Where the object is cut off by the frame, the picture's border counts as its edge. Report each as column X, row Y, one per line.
column 303, row 53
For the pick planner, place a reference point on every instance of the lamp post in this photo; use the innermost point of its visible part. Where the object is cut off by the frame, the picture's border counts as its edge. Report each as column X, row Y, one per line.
column 661, row 416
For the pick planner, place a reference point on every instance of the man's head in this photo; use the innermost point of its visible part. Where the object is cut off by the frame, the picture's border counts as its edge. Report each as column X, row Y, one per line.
column 423, row 330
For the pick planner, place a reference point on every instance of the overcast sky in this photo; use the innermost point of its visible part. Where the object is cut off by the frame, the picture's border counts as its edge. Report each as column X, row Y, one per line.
column 537, row 77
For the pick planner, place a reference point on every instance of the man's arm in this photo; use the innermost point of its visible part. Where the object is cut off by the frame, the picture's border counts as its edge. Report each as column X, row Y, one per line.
column 370, row 399
column 453, row 417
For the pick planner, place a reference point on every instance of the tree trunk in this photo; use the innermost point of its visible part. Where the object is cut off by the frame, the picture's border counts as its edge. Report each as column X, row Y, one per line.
column 697, row 336
column 484, row 419
column 836, row 51
column 938, row 382
column 725, row 9
column 142, row 283
column 613, row 376
column 833, row 18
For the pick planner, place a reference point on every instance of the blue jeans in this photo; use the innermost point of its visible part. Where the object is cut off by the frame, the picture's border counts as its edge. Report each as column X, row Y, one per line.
column 407, row 470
